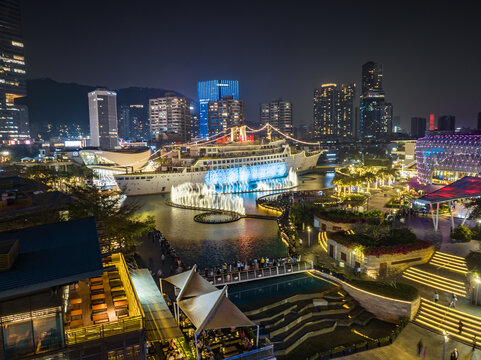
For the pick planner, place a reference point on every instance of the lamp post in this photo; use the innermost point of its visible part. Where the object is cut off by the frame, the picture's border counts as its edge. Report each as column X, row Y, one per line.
column 445, row 338
column 477, row 280
column 309, row 236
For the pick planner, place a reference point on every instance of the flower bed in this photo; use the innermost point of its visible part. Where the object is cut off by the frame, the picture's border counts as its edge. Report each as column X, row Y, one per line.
column 344, row 216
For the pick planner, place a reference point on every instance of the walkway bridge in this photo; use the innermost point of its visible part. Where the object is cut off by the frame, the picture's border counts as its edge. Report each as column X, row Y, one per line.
column 236, row 277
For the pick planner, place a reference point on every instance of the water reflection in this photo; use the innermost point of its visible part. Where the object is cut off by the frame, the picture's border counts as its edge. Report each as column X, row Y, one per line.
column 214, row 244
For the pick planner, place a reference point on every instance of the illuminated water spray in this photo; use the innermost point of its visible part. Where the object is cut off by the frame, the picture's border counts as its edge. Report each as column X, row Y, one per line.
column 220, row 185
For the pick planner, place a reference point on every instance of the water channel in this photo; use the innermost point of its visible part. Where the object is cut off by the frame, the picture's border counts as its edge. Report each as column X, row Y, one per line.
column 214, row 244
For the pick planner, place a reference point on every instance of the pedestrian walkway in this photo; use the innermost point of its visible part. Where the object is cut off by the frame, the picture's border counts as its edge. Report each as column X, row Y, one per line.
column 449, row 262
column 456, row 324
column 405, row 347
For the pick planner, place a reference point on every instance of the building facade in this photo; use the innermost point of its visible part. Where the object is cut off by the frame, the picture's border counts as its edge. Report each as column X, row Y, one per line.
column 376, row 115
column 134, row 122
column 224, row 114
column 418, row 127
column 13, row 118
column 213, row 90
column 334, row 111
column 278, row 113
column 447, row 123
column 446, row 158
column 170, row 114
column 103, row 119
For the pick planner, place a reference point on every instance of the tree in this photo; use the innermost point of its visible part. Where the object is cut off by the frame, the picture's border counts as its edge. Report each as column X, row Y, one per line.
column 369, row 177
column 462, row 233
column 122, row 227
column 338, row 180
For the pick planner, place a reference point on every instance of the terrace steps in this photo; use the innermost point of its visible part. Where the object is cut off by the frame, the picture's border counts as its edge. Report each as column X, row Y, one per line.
column 443, row 319
column 449, row 262
column 435, row 281
column 289, row 325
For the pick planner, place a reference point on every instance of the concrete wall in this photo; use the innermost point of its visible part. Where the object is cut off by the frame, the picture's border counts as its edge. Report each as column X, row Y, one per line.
column 326, row 225
column 371, row 264
column 384, row 308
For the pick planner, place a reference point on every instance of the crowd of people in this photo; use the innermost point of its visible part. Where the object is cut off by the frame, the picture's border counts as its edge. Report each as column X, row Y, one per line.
column 255, row 264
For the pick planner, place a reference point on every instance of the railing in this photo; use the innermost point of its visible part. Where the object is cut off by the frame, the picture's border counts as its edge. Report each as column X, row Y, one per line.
column 265, row 352
column 257, row 274
column 132, row 323
column 94, row 332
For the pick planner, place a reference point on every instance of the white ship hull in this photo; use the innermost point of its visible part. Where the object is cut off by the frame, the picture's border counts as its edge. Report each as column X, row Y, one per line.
column 157, row 183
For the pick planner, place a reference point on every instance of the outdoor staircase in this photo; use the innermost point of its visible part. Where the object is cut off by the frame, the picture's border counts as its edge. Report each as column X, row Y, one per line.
column 449, row 262
column 434, row 281
column 322, row 237
column 289, row 324
column 445, row 320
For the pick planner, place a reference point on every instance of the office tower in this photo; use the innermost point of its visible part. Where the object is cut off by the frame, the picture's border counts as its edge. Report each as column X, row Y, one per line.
column 124, row 122
column 278, row 113
column 432, row 121
column 479, row 120
column 224, row 114
column 13, row 123
column 371, row 77
column 213, row 90
column 170, row 114
column 139, row 128
column 388, row 116
column 334, row 111
column 103, row 119
column 418, row 127
column 374, row 120
column 447, row 123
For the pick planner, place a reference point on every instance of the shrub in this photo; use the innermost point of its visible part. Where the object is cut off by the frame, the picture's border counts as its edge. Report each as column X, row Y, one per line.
column 473, row 261
column 462, row 233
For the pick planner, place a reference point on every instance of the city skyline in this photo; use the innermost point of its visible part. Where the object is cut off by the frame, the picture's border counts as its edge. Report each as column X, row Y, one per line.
column 263, row 68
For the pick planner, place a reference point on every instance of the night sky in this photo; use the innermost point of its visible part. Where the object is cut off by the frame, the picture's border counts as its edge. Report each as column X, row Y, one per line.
column 431, row 52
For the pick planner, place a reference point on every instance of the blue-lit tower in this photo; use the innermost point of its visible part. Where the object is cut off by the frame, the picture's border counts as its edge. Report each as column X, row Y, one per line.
column 213, row 90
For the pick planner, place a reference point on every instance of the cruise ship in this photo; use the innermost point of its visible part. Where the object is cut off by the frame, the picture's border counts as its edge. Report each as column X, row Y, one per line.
column 192, row 164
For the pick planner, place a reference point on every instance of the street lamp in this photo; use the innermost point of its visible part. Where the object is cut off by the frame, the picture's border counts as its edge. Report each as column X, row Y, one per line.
column 477, row 280
column 309, row 236
column 445, row 339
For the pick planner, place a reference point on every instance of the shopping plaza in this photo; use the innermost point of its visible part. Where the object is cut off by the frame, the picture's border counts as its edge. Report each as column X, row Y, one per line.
column 443, row 159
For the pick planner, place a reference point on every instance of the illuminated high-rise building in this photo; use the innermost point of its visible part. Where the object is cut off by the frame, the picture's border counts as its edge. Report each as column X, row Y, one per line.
column 278, row 113
column 334, row 111
column 170, row 114
column 13, row 120
column 375, row 122
column 213, row 90
column 432, row 122
column 224, row 114
column 103, row 119
column 447, row 123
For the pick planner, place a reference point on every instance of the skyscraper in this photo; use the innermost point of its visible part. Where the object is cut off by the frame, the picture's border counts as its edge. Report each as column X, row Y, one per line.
column 103, row 119
column 374, row 120
column 213, row 90
column 278, row 113
column 447, row 123
column 334, row 111
column 225, row 113
column 418, row 127
column 13, row 123
column 170, row 114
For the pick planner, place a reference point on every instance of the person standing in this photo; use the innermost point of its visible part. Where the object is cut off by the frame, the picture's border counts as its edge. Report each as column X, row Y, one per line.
column 460, row 327
column 420, row 347
column 453, row 300
column 436, row 296
column 454, row 354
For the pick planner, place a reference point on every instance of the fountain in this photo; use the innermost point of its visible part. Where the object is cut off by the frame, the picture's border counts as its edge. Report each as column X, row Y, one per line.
column 205, row 197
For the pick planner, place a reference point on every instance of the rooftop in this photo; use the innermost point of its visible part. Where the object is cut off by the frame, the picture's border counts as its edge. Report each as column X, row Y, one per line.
column 51, row 255
column 466, row 187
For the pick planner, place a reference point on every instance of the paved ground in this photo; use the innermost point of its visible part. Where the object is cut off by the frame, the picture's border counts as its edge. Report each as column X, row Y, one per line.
column 405, row 347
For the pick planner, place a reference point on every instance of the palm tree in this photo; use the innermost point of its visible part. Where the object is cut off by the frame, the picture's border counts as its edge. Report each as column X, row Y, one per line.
column 339, row 181
column 369, row 177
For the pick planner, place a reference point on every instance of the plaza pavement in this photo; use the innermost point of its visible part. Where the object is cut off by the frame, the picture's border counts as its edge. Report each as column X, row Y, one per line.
column 405, row 347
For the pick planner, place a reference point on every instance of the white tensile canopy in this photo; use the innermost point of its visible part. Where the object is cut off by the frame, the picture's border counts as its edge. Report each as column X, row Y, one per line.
column 206, row 306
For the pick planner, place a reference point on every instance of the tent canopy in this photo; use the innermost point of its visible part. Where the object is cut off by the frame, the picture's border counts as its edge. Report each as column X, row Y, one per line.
column 213, row 311
column 466, row 187
column 191, row 284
